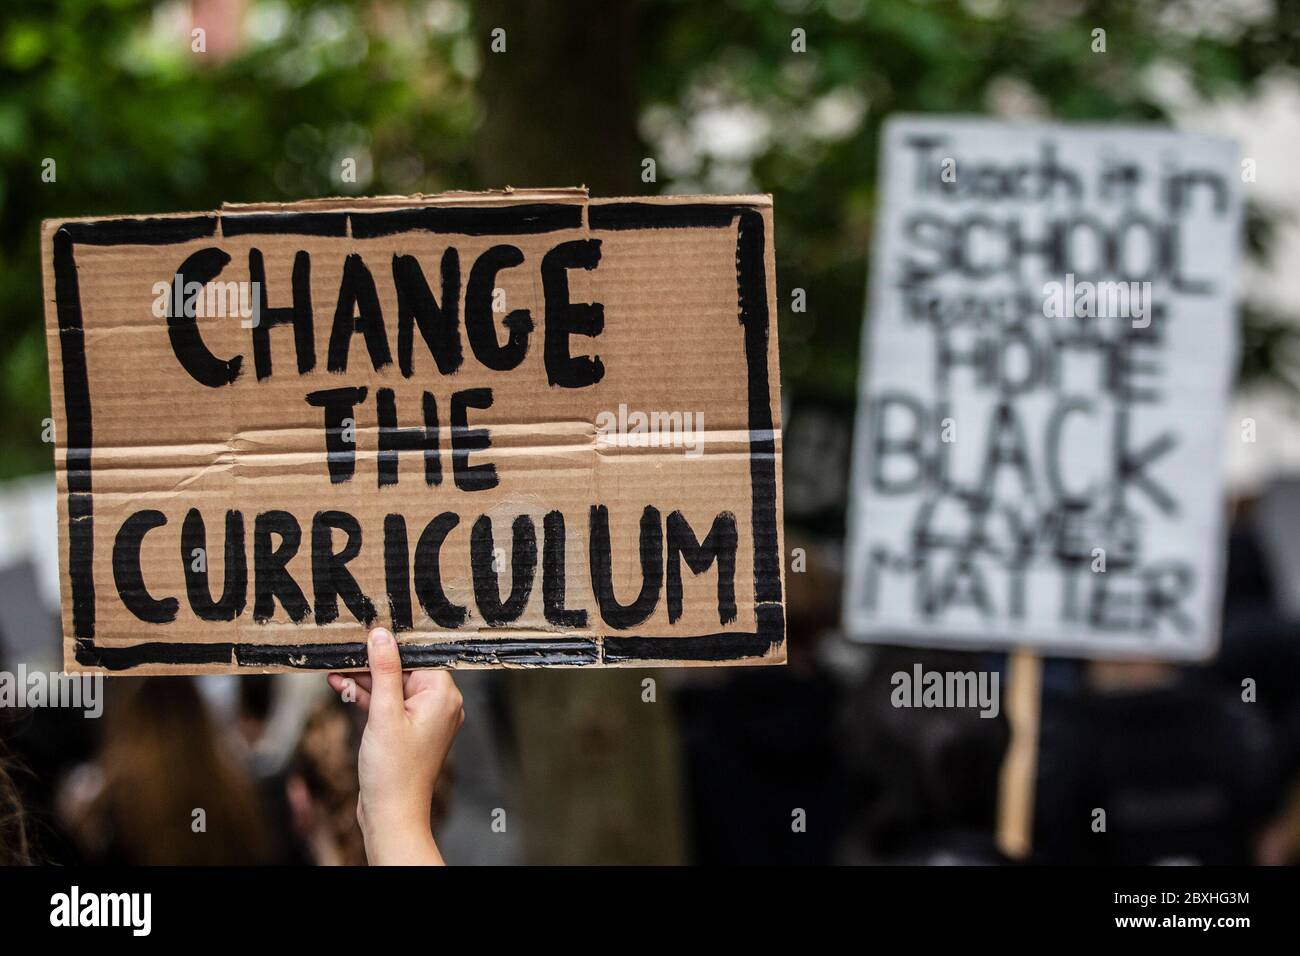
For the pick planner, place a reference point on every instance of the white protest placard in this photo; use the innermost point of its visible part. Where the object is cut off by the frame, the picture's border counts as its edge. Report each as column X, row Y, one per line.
column 1050, row 341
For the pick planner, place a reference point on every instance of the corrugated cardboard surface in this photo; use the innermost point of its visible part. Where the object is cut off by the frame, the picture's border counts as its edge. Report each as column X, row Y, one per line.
column 688, row 290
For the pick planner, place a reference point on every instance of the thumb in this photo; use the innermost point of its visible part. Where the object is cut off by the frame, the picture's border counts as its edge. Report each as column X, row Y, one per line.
column 386, row 696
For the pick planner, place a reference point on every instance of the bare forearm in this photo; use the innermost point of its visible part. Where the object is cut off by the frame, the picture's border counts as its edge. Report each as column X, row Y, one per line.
column 400, row 843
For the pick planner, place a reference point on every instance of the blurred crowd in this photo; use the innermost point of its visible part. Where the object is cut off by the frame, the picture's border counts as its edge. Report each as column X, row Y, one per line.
column 808, row 763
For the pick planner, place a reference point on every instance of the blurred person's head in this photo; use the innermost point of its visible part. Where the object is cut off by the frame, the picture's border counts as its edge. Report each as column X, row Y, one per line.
column 255, row 704
column 926, row 779
column 1182, row 770
column 322, row 787
column 812, row 599
column 170, row 790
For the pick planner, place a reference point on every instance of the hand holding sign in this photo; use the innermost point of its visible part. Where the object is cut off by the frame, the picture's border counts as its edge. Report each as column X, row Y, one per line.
column 412, row 721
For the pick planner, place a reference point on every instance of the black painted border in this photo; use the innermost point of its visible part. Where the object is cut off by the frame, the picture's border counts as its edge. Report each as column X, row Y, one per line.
column 754, row 316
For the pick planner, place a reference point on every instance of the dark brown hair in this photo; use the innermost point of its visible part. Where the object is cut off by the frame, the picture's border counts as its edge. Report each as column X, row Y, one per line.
column 163, row 759
column 15, row 848
column 326, row 762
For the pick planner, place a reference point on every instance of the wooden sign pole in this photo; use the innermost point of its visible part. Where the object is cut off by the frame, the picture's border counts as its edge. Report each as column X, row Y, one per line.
column 1023, row 703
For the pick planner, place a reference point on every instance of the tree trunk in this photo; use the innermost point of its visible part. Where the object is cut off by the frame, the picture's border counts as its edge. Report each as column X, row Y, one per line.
column 600, row 779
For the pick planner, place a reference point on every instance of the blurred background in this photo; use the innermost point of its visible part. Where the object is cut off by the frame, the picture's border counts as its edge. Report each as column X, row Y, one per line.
column 142, row 114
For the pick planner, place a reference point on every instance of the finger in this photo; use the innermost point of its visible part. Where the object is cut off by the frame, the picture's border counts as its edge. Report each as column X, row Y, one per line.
column 359, row 684
column 386, row 698
column 428, row 679
column 363, row 681
column 353, row 688
column 434, row 694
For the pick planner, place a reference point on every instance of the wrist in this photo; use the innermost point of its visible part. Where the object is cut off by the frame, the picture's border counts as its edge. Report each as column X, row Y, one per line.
column 400, row 843
column 413, row 849
column 398, row 836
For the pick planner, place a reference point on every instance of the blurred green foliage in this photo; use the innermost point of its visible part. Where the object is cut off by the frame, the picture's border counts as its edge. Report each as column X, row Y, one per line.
column 871, row 59
column 139, row 122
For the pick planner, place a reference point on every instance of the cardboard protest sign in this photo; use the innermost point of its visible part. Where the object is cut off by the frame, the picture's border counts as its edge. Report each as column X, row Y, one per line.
column 521, row 428
column 1050, row 341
